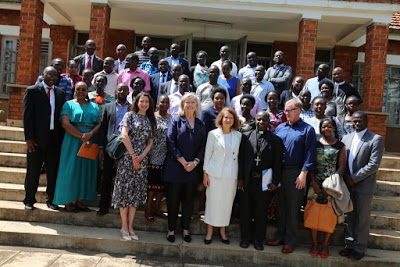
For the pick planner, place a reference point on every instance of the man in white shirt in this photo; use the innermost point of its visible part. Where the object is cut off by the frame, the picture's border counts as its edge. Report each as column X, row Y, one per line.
column 224, row 53
column 245, row 85
column 120, row 63
column 261, row 87
column 175, row 98
column 112, row 76
column 364, row 150
column 312, row 84
column 249, row 70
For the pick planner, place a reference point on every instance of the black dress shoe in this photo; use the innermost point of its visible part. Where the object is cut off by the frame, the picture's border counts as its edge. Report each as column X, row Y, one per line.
column 356, row 256
column 83, row 209
column 50, row 205
column 29, row 206
column 102, row 211
column 244, row 244
column 187, row 238
column 345, row 252
column 171, row 238
column 225, row 241
column 207, row 242
column 258, row 245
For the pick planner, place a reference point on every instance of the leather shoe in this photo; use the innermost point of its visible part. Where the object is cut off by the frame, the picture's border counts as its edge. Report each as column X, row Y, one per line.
column 244, row 244
column 275, row 242
column 207, row 241
column 187, row 238
column 258, row 245
column 50, row 205
column 171, row 238
column 102, row 211
column 356, row 256
column 345, row 252
column 287, row 249
column 29, row 206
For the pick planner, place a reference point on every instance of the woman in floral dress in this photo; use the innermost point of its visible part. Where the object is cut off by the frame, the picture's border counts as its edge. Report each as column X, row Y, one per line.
column 130, row 186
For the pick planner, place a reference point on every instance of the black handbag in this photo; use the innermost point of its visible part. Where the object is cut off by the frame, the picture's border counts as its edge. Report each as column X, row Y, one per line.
column 115, row 147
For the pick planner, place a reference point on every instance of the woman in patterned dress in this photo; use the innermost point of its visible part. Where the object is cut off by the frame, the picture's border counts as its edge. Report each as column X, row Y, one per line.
column 130, row 186
column 330, row 159
column 155, row 187
column 200, row 74
column 276, row 115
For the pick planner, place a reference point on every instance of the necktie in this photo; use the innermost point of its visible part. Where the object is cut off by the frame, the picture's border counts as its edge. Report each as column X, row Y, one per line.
column 89, row 63
column 163, row 78
column 48, row 93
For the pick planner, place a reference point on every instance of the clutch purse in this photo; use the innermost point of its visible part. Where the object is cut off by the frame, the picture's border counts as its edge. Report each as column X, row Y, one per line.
column 88, row 152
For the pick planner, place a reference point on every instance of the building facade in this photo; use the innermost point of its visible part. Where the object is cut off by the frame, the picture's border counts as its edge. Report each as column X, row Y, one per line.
column 362, row 37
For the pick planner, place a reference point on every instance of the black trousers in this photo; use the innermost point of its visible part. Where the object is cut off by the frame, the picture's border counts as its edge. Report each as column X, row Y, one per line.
column 50, row 155
column 180, row 193
column 253, row 211
column 107, row 185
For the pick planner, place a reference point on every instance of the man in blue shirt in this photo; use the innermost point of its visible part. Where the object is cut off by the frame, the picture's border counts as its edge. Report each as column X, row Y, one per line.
column 151, row 66
column 298, row 159
column 312, row 84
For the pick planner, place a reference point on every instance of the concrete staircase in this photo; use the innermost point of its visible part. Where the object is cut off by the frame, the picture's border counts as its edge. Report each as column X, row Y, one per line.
column 58, row 229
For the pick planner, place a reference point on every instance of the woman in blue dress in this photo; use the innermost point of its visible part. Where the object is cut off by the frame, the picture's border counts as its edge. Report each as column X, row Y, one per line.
column 230, row 82
column 76, row 179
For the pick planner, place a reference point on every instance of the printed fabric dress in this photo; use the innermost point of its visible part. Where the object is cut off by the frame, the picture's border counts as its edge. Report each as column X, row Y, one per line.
column 157, row 154
column 77, row 177
column 130, row 188
column 326, row 163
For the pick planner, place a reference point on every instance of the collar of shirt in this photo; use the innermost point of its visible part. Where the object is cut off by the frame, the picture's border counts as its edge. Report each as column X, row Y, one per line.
column 361, row 134
column 47, row 86
column 126, row 103
column 297, row 123
column 121, row 62
column 136, row 71
column 338, row 84
column 278, row 67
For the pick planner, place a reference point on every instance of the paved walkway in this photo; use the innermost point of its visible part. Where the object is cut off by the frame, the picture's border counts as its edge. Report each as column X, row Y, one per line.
column 37, row 257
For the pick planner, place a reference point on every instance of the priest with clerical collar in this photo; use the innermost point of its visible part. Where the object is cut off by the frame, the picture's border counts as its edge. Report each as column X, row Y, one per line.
column 260, row 157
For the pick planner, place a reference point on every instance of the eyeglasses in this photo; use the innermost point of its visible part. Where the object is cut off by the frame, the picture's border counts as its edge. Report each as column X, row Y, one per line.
column 290, row 110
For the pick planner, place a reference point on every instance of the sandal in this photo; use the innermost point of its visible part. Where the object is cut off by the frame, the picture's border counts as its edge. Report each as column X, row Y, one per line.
column 70, row 207
column 324, row 251
column 314, row 249
column 148, row 217
column 133, row 236
column 125, row 234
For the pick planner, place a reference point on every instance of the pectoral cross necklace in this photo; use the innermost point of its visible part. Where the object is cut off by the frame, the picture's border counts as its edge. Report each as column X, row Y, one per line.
column 258, row 152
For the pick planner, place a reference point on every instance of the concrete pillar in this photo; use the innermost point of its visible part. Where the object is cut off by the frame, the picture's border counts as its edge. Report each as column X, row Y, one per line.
column 306, row 47
column 100, row 26
column 374, row 76
column 345, row 57
column 60, row 35
column 30, row 39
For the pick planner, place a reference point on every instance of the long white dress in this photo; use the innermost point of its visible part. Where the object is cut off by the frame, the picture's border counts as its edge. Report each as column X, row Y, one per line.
column 222, row 190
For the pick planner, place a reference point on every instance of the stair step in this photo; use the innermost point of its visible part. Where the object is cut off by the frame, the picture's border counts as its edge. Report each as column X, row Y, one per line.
column 108, row 240
column 386, row 203
column 387, row 188
column 385, row 220
column 16, row 192
column 388, row 174
column 17, row 176
column 14, row 211
column 390, row 161
column 12, row 146
column 12, row 133
column 13, row 160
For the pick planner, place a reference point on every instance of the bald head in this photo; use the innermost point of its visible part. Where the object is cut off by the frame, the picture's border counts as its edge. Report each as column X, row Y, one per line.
column 50, row 76
column 108, row 64
column 90, row 47
column 337, row 75
column 121, row 52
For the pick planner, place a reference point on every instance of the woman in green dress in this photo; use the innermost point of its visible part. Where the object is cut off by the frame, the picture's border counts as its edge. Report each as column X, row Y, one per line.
column 330, row 159
column 76, row 179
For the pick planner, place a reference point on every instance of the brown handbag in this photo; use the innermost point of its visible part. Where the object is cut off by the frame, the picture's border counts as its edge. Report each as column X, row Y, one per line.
column 320, row 217
column 90, row 152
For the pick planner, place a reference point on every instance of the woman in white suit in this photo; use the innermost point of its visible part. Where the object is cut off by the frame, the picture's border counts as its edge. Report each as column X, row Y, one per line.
column 220, row 172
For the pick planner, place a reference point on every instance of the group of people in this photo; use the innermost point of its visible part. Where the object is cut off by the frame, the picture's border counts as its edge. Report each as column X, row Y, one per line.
column 245, row 135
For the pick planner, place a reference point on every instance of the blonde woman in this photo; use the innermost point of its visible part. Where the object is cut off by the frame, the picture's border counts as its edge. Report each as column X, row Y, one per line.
column 220, row 172
column 186, row 140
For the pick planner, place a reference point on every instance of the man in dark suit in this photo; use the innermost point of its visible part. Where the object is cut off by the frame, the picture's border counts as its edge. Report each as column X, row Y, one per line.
column 159, row 78
column 112, row 116
column 176, row 59
column 89, row 60
column 279, row 74
column 42, row 106
column 120, row 63
column 340, row 84
column 171, row 86
column 260, row 150
column 364, row 154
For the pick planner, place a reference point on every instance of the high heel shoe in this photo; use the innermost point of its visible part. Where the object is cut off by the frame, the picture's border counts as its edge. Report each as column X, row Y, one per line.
column 171, row 238
column 324, row 251
column 133, row 236
column 125, row 235
column 225, row 241
column 314, row 249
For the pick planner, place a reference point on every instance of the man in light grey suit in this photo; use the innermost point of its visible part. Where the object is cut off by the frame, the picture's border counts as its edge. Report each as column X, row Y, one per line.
column 364, row 154
column 279, row 74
